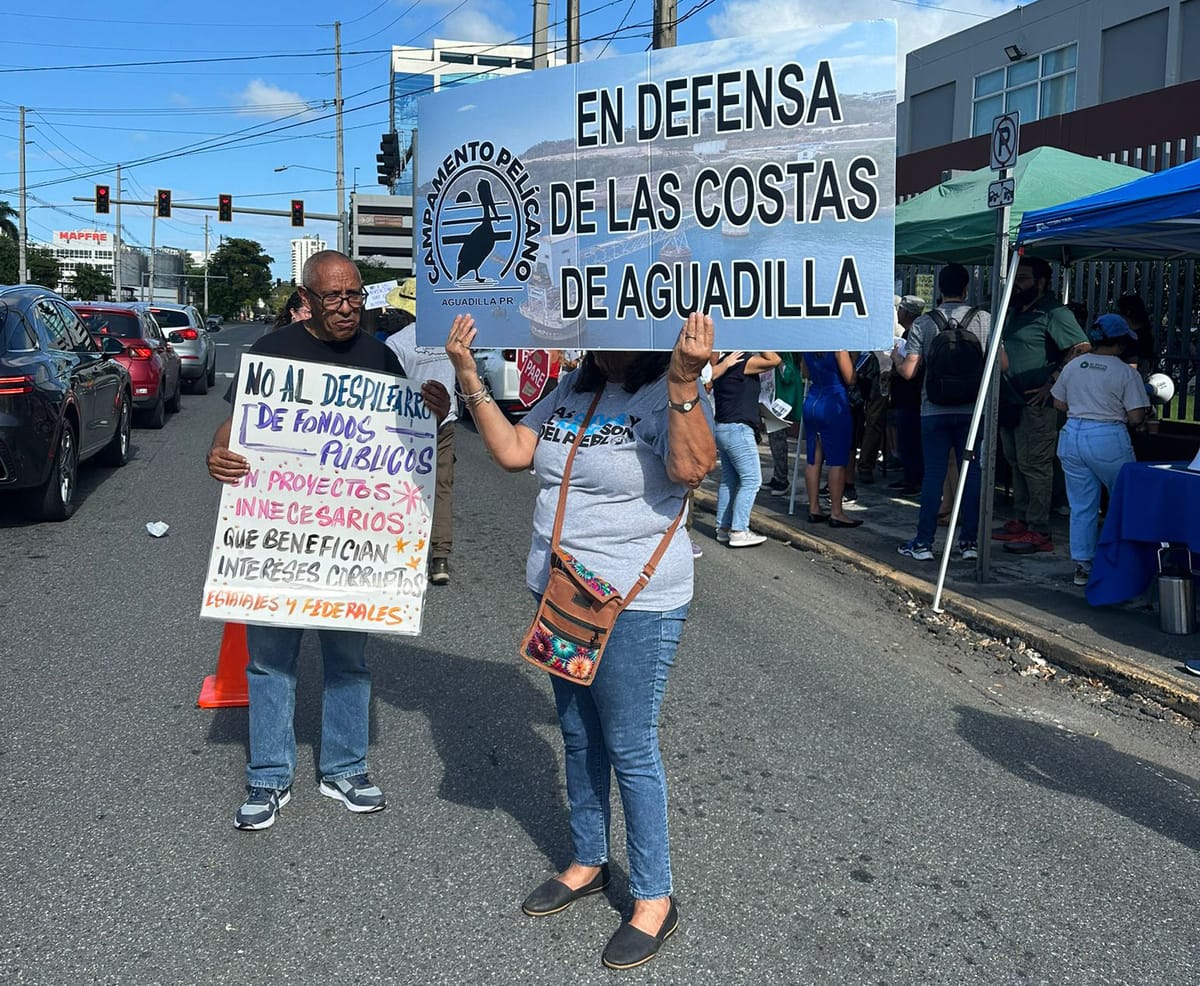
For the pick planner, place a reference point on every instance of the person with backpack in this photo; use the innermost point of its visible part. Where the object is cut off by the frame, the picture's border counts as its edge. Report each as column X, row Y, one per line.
column 948, row 345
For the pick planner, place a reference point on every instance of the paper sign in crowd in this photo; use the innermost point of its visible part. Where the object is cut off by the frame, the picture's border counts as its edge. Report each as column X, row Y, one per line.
column 330, row 528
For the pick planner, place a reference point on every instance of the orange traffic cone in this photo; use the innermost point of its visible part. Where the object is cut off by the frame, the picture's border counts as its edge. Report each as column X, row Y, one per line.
column 228, row 686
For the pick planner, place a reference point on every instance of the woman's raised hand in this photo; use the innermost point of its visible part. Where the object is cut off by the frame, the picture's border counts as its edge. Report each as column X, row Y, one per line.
column 693, row 349
column 458, row 343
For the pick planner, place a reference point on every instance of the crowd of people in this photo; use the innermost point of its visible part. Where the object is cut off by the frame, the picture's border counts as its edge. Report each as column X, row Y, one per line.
column 1064, row 421
column 656, row 425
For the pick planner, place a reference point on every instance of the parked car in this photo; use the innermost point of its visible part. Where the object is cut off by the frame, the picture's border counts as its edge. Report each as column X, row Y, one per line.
column 213, row 323
column 195, row 348
column 497, row 368
column 153, row 364
column 63, row 398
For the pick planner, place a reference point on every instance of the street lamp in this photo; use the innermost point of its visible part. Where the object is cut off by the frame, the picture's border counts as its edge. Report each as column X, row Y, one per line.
column 306, row 167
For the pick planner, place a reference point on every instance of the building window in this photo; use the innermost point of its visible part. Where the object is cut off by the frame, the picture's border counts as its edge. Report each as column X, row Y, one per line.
column 1036, row 87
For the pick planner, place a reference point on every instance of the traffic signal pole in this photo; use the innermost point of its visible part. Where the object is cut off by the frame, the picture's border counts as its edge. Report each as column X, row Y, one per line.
column 117, row 239
column 22, row 257
column 206, row 266
column 153, row 230
column 341, row 165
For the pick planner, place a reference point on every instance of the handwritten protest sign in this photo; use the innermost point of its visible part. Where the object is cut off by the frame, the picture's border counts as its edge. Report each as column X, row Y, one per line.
column 750, row 178
column 330, row 528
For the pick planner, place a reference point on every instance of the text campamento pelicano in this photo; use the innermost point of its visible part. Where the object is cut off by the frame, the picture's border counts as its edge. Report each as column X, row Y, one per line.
column 738, row 101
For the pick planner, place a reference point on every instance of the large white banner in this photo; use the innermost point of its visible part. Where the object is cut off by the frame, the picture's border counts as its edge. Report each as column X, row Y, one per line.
column 596, row 205
column 330, row 528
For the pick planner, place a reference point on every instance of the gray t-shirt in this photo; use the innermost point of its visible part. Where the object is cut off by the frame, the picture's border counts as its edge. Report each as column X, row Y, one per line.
column 423, row 363
column 620, row 502
column 921, row 335
column 1099, row 388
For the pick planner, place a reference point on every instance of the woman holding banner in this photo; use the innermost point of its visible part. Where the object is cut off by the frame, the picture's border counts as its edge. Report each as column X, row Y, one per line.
column 647, row 443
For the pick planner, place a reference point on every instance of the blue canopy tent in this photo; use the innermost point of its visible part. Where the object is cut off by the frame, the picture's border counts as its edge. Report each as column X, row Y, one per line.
column 1151, row 218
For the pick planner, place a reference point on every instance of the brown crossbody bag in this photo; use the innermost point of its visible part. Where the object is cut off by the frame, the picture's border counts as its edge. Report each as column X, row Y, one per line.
column 578, row 610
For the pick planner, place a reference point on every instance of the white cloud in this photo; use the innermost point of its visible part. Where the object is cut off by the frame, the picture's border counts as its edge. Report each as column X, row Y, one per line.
column 466, row 108
column 473, row 25
column 263, row 99
column 916, row 26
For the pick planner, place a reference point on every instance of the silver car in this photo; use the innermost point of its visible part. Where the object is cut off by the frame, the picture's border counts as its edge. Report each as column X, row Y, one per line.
column 196, row 349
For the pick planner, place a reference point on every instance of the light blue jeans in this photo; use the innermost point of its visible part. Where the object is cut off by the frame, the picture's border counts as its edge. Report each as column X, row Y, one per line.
column 741, row 475
column 271, row 680
column 612, row 725
column 1091, row 453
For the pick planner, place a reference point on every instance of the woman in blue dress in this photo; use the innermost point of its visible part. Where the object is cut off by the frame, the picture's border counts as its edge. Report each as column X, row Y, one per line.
column 828, row 429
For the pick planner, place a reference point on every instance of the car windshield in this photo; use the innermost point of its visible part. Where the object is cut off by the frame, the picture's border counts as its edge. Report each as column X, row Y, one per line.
column 171, row 318
column 123, row 325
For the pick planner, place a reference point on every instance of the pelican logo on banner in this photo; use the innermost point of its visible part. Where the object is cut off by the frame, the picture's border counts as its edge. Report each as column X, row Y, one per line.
column 480, row 224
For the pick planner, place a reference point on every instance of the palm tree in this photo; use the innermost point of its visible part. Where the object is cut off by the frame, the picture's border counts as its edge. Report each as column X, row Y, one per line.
column 7, row 226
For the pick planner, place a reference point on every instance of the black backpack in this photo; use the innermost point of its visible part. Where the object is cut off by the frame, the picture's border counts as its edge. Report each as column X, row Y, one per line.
column 953, row 361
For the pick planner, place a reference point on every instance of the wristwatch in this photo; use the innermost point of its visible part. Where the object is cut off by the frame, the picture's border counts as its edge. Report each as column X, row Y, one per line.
column 685, row 406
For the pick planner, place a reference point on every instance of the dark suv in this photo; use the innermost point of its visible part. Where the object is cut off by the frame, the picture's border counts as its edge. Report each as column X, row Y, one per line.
column 63, row 398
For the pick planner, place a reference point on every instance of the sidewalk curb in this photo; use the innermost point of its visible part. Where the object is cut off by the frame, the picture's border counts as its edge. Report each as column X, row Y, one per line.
column 1060, row 650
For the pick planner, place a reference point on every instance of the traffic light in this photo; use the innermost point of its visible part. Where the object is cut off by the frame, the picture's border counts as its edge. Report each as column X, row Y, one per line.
column 297, row 212
column 164, row 203
column 388, row 159
column 102, row 199
column 224, row 208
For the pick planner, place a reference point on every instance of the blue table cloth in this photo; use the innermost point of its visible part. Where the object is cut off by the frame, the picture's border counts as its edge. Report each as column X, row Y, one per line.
column 1151, row 503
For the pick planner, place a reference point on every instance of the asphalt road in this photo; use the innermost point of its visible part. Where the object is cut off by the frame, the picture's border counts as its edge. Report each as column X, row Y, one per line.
column 854, row 799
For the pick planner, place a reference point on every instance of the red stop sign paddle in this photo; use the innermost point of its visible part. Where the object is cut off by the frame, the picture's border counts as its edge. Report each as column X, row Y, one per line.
column 534, row 368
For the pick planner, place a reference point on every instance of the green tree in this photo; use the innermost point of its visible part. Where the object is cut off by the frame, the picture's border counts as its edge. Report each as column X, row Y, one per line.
column 91, row 282
column 44, row 268
column 8, row 260
column 8, row 224
column 375, row 273
column 247, row 273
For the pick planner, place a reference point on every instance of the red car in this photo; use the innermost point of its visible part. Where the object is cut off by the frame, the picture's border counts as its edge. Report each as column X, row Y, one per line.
column 154, row 366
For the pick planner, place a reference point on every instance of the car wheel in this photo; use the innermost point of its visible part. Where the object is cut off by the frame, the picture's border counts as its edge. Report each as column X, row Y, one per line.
column 156, row 417
column 116, row 452
column 200, row 384
column 174, row 403
column 211, row 379
column 55, row 499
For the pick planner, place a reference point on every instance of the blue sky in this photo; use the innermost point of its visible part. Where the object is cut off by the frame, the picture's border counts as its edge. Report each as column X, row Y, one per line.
column 95, row 97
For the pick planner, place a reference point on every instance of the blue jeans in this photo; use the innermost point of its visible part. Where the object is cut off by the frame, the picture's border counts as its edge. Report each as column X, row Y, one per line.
column 612, row 725
column 939, row 434
column 1092, row 453
column 741, row 475
column 271, row 678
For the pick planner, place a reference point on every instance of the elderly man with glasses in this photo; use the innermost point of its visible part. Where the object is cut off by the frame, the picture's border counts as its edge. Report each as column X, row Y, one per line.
column 330, row 335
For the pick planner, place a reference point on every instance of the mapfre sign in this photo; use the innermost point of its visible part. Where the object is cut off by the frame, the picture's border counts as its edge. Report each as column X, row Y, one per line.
column 68, row 236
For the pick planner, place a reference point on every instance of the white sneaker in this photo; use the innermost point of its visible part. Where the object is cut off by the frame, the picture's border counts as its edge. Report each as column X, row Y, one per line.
column 1083, row 572
column 745, row 539
column 723, row 535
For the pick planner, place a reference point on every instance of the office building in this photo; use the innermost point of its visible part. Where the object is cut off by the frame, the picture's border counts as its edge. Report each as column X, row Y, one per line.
column 302, row 249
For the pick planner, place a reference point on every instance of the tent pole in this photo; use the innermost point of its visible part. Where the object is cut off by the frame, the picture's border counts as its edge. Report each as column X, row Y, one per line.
column 986, row 402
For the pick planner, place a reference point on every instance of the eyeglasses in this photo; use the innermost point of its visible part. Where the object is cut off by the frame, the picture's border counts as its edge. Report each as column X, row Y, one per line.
column 332, row 302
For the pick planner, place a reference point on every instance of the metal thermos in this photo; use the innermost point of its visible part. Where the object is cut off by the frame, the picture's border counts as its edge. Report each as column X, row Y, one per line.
column 1176, row 597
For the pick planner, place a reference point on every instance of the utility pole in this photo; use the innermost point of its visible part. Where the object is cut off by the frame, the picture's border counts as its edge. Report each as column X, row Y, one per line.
column 153, row 229
column 22, row 256
column 572, row 31
column 341, row 168
column 664, row 23
column 541, row 33
column 206, row 312
column 117, row 242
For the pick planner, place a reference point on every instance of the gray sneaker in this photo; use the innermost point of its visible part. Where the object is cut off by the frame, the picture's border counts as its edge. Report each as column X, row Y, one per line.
column 357, row 793
column 261, row 808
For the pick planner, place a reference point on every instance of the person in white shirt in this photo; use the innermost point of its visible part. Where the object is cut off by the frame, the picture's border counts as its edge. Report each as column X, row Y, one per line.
column 1101, row 395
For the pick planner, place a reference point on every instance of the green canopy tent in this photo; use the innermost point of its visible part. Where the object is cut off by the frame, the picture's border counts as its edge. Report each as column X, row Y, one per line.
column 953, row 224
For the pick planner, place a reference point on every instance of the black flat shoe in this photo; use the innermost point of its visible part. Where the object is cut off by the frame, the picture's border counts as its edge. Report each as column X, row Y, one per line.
column 630, row 947
column 554, row 895
column 834, row 522
column 818, row 518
